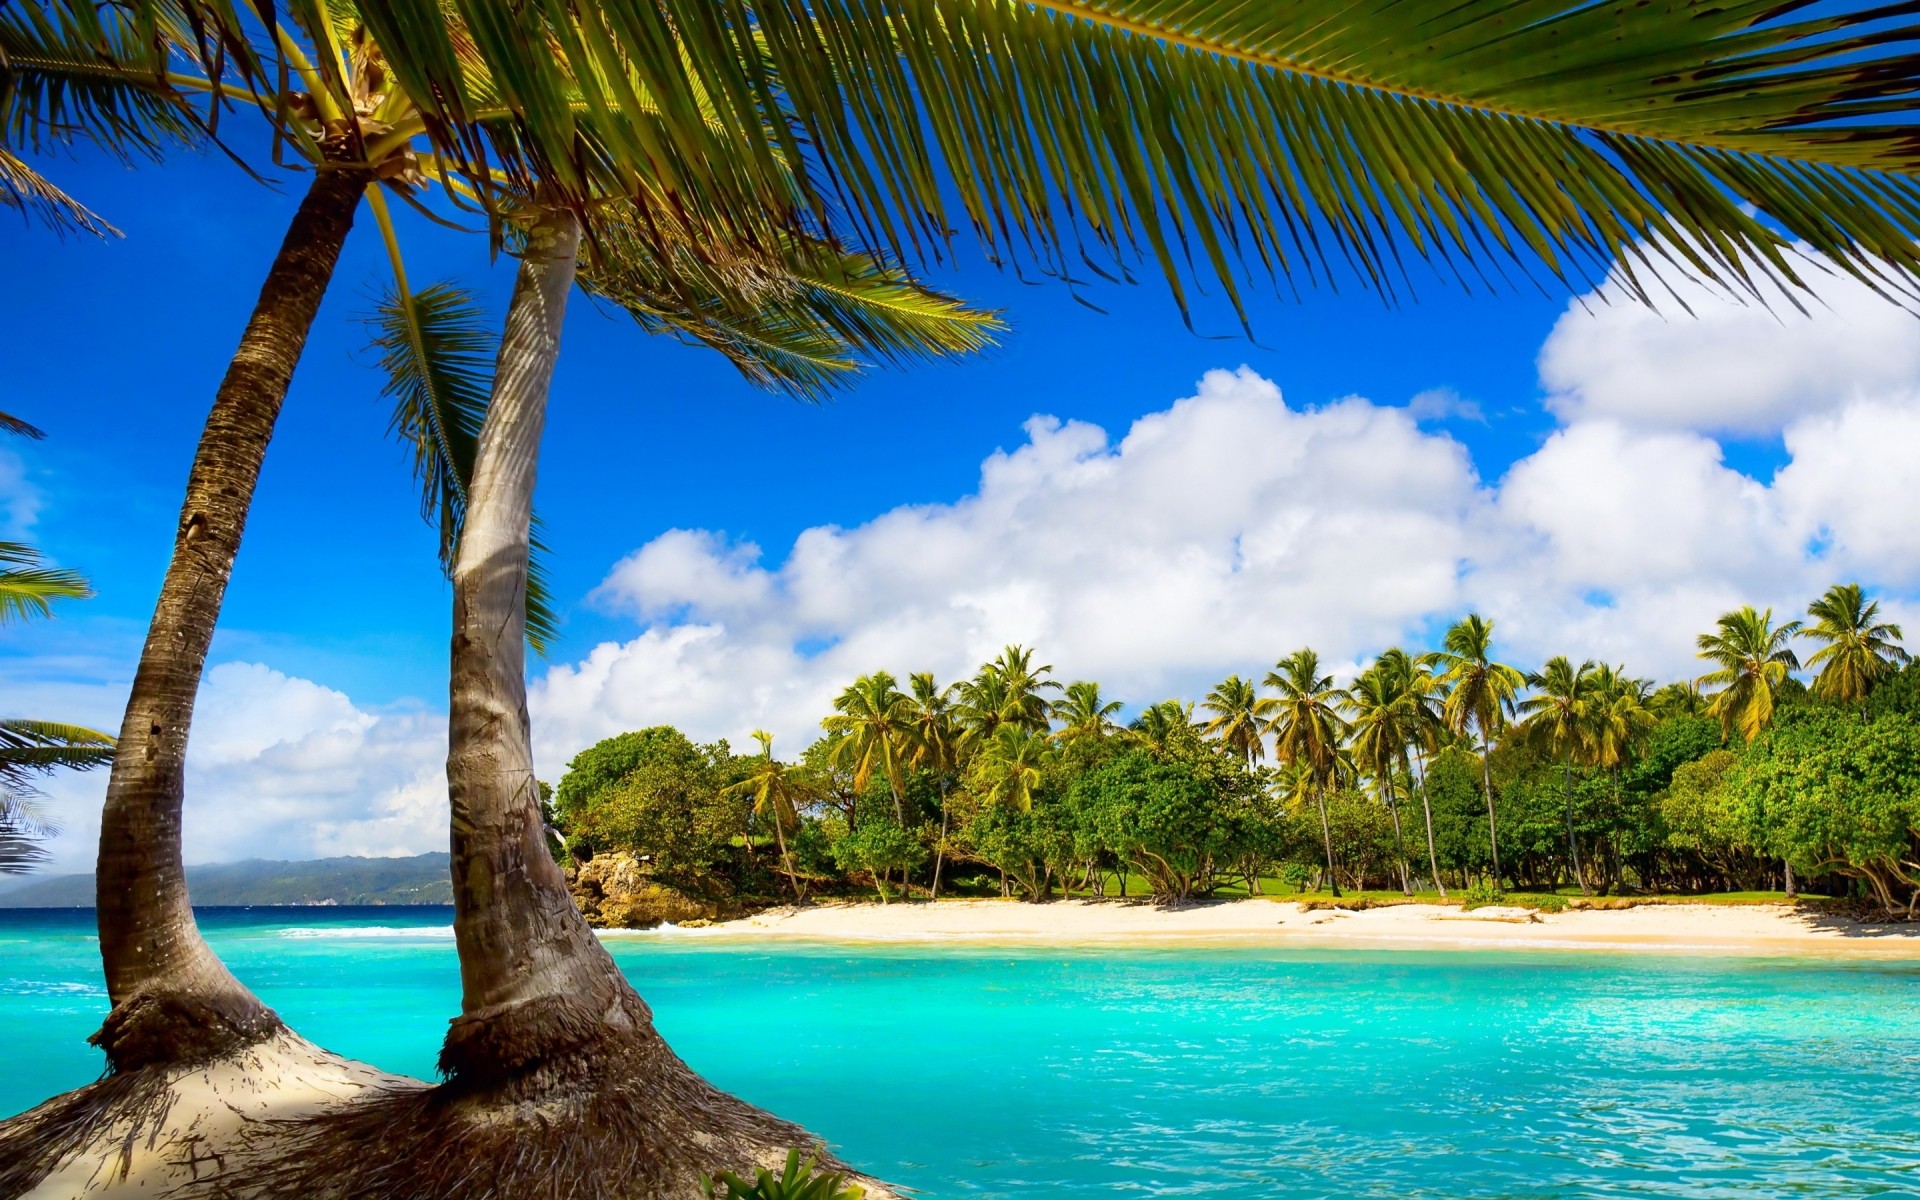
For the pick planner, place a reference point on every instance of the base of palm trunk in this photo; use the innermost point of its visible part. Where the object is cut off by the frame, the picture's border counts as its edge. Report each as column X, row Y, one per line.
column 206, row 1129
column 616, row 1116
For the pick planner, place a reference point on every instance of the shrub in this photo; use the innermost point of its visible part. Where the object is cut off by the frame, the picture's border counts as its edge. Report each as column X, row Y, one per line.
column 1484, row 892
column 797, row 1182
column 1547, row 903
column 1296, row 876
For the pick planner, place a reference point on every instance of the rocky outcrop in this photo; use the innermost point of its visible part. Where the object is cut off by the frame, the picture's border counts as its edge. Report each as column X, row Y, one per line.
column 616, row 891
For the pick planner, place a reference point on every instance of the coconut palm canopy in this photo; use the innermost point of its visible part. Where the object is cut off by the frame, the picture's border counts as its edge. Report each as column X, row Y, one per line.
column 1299, row 140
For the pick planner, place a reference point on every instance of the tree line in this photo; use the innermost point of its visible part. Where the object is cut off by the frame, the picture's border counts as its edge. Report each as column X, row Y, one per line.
column 1440, row 771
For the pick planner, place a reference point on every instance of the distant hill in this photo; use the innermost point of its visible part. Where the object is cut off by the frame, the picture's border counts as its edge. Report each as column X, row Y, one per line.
column 421, row 879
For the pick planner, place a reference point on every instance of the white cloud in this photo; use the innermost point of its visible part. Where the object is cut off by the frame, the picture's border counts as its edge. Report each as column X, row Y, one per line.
column 280, row 767
column 1746, row 369
column 1228, row 529
column 20, row 500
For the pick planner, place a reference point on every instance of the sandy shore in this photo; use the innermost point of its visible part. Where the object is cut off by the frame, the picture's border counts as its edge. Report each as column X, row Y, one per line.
column 1665, row 928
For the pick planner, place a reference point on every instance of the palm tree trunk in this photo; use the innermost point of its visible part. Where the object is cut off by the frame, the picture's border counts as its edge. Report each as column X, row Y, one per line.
column 1326, row 833
column 1399, row 842
column 554, row 1056
column 1486, row 780
column 940, row 849
column 1426, row 808
column 1792, row 892
column 786, row 863
column 173, row 1000
column 1573, row 844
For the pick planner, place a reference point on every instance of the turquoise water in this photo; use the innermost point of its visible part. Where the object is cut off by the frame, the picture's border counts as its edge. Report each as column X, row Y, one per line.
column 1233, row 1072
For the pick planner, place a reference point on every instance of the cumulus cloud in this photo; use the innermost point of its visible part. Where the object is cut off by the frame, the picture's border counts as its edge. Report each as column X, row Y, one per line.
column 281, row 767
column 1745, row 369
column 1230, row 528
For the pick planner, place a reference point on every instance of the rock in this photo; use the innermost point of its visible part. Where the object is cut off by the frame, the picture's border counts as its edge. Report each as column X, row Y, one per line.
column 614, row 891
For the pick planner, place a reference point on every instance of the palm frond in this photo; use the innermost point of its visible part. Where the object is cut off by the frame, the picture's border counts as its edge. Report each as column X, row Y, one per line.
column 28, row 588
column 437, row 357
column 76, row 71
column 20, row 852
column 34, row 194
column 19, row 428
column 804, row 317
column 30, row 747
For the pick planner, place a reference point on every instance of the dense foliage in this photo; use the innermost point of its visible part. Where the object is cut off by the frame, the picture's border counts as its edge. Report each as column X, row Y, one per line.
column 1447, row 771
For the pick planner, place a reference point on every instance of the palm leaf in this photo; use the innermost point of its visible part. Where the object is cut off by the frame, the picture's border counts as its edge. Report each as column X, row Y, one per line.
column 29, row 747
column 26, row 189
column 28, row 589
column 20, row 853
column 72, row 71
column 804, row 316
column 438, row 361
column 1217, row 140
column 14, row 425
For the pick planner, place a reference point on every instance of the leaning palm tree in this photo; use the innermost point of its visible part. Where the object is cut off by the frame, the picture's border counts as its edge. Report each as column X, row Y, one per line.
column 1858, row 650
column 1238, row 710
column 1754, row 658
column 1559, row 718
column 776, row 794
column 1480, row 694
column 1307, row 730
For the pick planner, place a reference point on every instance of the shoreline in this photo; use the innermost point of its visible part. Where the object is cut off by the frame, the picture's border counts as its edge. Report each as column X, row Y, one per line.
column 1757, row 930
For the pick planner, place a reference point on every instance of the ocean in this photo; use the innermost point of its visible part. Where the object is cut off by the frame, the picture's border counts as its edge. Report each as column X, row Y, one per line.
column 1027, row 1072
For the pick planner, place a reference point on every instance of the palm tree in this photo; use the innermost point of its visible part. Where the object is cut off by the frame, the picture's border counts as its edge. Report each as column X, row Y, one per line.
column 1858, row 650
column 1480, row 693
column 1754, row 657
column 1086, row 718
column 1380, row 725
column 1420, row 695
column 1023, row 704
column 776, row 795
column 936, row 746
column 1307, row 730
column 1238, row 710
column 1559, row 718
column 1159, row 724
column 878, row 720
column 1681, row 699
column 1008, row 768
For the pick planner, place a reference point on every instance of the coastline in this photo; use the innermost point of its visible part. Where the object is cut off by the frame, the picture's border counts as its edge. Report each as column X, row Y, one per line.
column 1666, row 928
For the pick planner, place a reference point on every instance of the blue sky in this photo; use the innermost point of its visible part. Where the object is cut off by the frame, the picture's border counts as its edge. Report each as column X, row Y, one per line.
column 337, row 601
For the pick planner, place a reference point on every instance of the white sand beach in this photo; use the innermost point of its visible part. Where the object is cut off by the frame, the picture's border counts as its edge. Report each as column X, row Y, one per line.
column 1759, row 929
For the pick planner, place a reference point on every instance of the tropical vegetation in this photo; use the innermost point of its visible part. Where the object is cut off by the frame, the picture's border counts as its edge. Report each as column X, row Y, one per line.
column 1009, row 782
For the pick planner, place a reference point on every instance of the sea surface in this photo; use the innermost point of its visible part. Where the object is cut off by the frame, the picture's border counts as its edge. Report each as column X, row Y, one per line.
column 1029, row 1073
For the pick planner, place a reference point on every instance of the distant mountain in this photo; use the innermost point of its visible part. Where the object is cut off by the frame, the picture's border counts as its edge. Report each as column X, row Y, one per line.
column 421, row 879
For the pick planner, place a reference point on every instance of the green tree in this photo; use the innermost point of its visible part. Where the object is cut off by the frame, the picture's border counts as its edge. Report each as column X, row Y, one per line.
column 1827, row 792
column 1480, row 694
column 877, row 720
column 1382, row 723
column 936, row 747
column 1755, row 660
column 659, row 796
column 1085, row 716
column 1307, row 729
column 1238, row 713
column 1161, row 723
column 1559, row 719
column 777, row 792
column 1857, row 650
